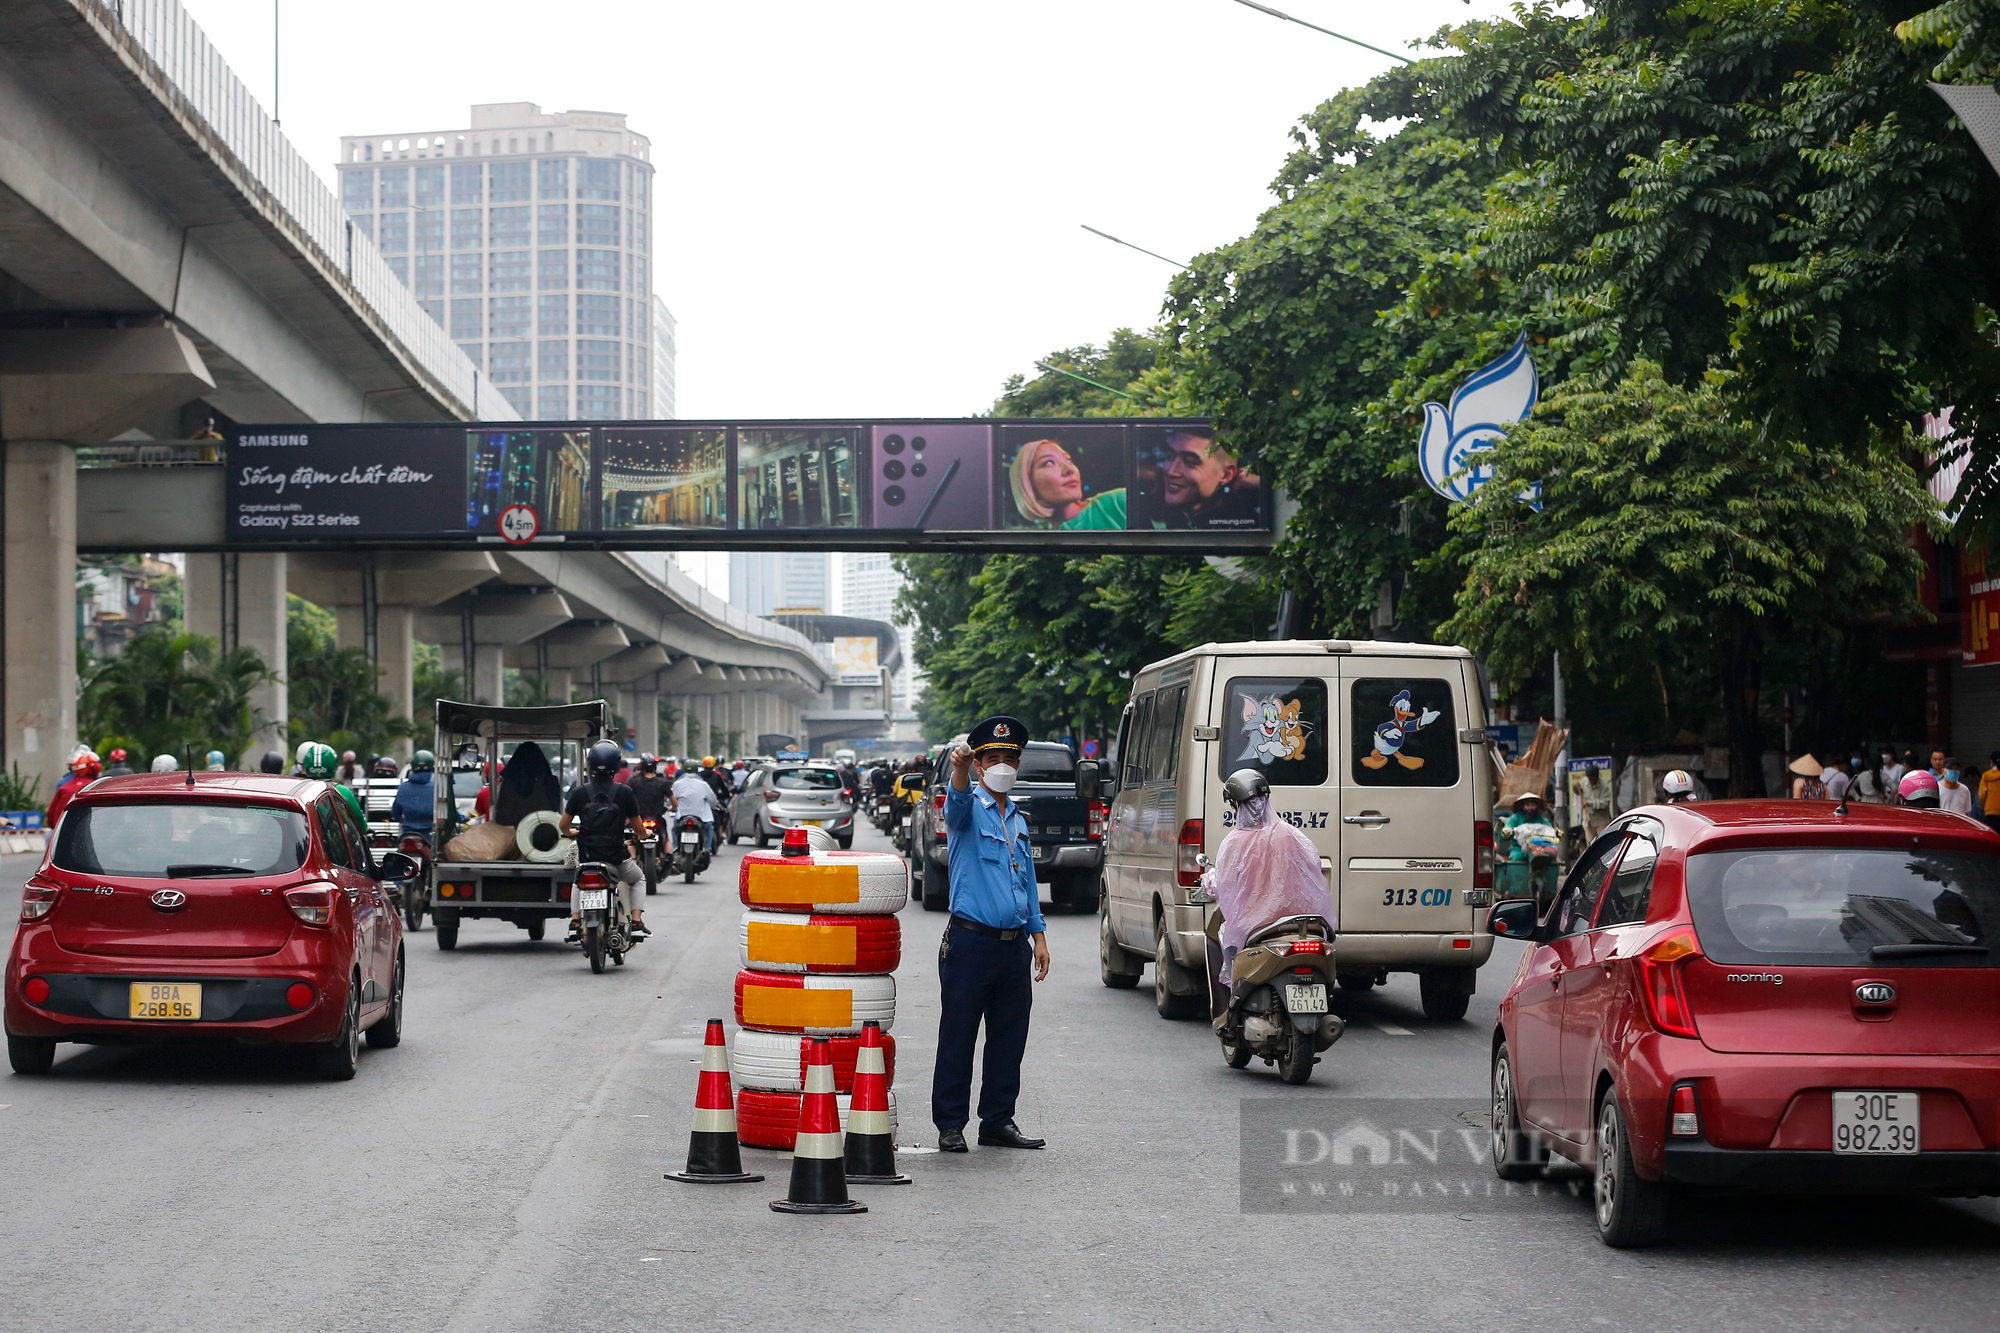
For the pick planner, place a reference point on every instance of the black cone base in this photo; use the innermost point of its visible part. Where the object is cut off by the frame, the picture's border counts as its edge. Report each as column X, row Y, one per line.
column 819, row 1185
column 880, row 1180
column 871, row 1160
column 713, row 1159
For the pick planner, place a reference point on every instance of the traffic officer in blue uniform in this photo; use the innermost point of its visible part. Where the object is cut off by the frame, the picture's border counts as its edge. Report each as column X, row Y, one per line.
column 992, row 942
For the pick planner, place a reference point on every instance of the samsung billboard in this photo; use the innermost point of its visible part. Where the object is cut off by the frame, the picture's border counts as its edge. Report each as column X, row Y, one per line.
column 1104, row 483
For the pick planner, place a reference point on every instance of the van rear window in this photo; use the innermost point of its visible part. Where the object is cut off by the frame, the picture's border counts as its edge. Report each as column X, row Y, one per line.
column 1276, row 725
column 1846, row 907
column 1405, row 733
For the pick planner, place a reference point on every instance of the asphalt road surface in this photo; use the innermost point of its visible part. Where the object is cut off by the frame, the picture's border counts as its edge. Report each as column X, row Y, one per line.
column 502, row 1169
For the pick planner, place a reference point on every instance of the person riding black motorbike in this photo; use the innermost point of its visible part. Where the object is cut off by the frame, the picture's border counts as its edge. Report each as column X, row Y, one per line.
column 601, row 814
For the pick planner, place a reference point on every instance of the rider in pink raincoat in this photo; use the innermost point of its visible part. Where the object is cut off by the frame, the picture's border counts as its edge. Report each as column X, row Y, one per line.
column 1265, row 870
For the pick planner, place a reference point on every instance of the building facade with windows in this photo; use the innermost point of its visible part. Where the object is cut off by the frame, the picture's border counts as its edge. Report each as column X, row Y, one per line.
column 865, row 585
column 528, row 237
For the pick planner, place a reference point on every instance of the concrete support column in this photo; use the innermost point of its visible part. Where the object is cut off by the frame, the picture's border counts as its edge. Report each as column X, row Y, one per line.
column 395, row 630
column 685, row 703
column 489, row 674
column 39, row 555
column 559, row 684
column 260, row 626
column 646, row 717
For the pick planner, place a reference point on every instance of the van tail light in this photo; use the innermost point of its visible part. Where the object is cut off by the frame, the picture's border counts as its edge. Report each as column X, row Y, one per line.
column 1186, row 872
column 312, row 904
column 1307, row 946
column 38, row 900
column 1482, row 854
column 1100, row 819
column 1660, row 983
column 1686, row 1121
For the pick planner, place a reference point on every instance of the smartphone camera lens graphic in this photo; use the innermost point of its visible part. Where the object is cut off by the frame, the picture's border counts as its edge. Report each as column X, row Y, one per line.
column 893, row 469
column 893, row 444
column 917, row 443
column 917, row 469
column 892, row 495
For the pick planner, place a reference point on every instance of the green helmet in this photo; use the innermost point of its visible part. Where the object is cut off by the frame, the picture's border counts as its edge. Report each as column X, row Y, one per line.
column 423, row 761
column 316, row 760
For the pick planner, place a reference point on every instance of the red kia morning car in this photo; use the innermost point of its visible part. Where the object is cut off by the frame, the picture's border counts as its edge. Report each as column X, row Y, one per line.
column 217, row 906
column 1777, row 995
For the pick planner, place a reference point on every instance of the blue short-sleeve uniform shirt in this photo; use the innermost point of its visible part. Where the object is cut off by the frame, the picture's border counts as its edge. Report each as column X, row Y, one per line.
column 992, row 862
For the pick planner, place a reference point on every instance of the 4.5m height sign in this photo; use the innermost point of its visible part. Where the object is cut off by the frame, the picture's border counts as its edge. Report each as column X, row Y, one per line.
column 1154, row 484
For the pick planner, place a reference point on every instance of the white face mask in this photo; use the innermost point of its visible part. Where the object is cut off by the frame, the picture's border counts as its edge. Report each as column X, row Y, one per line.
column 999, row 778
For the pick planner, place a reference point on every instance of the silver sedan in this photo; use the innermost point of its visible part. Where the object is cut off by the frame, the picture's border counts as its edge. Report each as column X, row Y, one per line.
column 784, row 795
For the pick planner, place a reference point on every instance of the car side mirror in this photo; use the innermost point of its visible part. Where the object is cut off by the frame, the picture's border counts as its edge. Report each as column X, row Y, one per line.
column 1089, row 780
column 1514, row 919
column 913, row 783
column 395, row 865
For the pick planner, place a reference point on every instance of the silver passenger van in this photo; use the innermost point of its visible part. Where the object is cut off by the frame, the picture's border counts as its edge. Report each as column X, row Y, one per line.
column 1375, row 750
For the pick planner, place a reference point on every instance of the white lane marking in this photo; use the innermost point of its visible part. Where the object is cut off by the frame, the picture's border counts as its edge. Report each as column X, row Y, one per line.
column 1390, row 1028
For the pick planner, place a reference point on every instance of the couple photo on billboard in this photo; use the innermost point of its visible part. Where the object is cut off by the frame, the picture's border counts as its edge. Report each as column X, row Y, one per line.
column 1073, row 478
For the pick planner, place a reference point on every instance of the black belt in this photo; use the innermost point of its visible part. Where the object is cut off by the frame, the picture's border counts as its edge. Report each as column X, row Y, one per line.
column 994, row 932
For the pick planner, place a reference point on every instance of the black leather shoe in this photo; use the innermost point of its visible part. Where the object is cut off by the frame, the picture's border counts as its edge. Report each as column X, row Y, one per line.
column 1008, row 1135
column 951, row 1140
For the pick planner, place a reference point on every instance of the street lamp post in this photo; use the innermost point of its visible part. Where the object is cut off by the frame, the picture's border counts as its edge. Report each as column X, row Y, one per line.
column 1281, row 14
column 1058, row 370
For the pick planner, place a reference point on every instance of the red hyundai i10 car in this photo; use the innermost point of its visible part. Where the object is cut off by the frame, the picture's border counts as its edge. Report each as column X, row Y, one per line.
column 211, row 906
column 1776, row 995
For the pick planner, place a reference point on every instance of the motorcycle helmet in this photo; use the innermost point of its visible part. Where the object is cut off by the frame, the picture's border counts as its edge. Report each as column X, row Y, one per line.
column 83, row 762
column 647, row 764
column 423, row 761
column 118, row 755
column 215, row 761
column 272, row 762
column 603, row 760
column 1677, row 786
column 708, row 761
column 316, row 760
column 1245, row 784
column 1919, row 789
column 164, row 763
column 384, row 767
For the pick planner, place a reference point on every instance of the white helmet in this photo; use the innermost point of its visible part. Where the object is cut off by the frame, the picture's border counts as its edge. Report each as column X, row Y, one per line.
column 164, row 763
column 1677, row 785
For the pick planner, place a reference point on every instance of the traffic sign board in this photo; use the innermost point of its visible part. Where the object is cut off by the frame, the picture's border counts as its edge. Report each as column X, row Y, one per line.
column 519, row 524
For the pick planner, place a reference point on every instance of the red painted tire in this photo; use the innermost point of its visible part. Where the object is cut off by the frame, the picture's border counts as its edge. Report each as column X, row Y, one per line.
column 771, row 1119
column 816, row 1006
column 776, row 1061
column 840, row 883
column 820, row 944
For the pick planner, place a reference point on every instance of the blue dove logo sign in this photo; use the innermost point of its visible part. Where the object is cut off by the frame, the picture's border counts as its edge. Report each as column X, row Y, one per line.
column 1499, row 393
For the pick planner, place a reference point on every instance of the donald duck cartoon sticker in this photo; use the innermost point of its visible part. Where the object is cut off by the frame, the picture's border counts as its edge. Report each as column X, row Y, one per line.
column 1390, row 736
column 1274, row 730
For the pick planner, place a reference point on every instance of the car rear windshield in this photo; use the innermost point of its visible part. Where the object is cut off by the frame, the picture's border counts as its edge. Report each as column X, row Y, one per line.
column 1051, row 765
column 1846, row 907
column 467, row 782
column 807, row 779
column 182, row 839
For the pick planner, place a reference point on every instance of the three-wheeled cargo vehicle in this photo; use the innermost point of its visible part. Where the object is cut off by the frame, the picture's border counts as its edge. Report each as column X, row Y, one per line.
column 514, row 865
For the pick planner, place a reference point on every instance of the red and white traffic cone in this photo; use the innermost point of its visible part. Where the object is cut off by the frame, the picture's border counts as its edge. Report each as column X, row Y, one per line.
column 871, row 1144
column 713, row 1158
column 819, row 1176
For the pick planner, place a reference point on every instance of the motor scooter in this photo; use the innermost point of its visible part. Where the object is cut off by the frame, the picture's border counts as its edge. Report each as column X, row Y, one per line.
column 606, row 929
column 652, row 852
column 690, row 847
column 416, row 891
column 1276, row 1005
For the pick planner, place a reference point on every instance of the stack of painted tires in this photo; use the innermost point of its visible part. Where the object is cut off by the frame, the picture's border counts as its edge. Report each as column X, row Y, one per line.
column 818, row 946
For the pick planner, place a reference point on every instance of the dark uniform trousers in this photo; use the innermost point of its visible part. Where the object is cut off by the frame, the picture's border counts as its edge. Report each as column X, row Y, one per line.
column 982, row 978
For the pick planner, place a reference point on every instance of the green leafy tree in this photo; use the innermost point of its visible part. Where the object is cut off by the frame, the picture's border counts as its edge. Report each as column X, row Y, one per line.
column 333, row 691
column 174, row 693
column 1674, row 527
column 430, row 680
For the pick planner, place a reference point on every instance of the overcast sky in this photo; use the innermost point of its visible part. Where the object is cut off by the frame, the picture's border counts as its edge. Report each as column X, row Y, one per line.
column 868, row 206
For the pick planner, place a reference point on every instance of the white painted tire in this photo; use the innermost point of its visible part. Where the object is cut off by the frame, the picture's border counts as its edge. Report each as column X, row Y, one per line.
column 776, row 1061
column 771, row 1119
column 821, row 944
column 814, row 1006
column 524, row 837
column 839, row 883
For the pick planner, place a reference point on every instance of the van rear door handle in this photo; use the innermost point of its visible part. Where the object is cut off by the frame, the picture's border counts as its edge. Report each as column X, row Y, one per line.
column 1367, row 818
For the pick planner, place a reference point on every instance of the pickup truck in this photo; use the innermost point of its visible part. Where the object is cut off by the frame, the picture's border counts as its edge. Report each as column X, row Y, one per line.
column 1066, row 830
column 513, row 887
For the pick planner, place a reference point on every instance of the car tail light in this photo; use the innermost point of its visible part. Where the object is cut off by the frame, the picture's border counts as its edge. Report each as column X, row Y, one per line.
column 770, row 794
column 1186, row 872
column 35, row 990
column 593, row 879
column 1482, row 853
column 1100, row 819
column 1686, row 1122
column 937, row 815
column 37, row 900
column 299, row 995
column 312, row 905
column 1307, row 946
column 1660, row 982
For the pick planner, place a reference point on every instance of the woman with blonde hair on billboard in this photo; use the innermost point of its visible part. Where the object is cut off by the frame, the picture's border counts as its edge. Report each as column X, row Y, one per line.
column 1048, row 491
